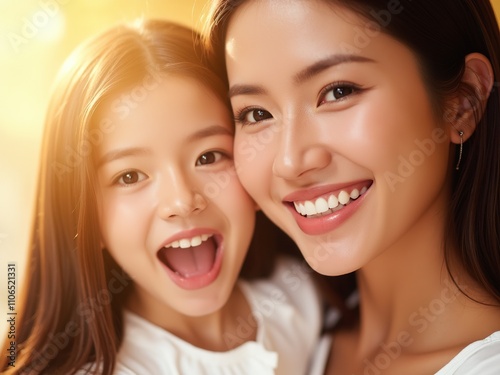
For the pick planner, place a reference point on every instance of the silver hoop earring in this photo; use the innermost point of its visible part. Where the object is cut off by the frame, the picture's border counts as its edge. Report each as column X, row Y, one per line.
column 461, row 134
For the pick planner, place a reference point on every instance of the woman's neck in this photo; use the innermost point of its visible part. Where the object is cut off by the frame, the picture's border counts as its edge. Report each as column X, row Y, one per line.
column 409, row 299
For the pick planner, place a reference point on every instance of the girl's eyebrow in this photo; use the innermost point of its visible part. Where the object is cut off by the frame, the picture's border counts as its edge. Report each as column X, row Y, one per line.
column 122, row 153
column 305, row 74
column 211, row 131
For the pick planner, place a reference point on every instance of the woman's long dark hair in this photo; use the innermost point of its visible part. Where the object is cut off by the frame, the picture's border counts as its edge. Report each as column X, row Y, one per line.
column 441, row 33
column 71, row 308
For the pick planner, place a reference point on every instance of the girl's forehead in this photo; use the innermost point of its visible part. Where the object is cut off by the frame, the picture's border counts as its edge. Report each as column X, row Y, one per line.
column 171, row 110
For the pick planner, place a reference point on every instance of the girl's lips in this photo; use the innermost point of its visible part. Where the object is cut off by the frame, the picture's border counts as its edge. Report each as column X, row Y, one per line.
column 194, row 278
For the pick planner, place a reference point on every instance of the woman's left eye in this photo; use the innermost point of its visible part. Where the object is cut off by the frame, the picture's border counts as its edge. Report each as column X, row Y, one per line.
column 209, row 158
column 336, row 92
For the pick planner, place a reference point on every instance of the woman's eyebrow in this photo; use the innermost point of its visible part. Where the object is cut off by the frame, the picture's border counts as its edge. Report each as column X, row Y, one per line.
column 326, row 63
column 303, row 75
column 243, row 89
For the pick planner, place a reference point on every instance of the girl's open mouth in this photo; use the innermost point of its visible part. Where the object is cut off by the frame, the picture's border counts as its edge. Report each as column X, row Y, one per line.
column 192, row 262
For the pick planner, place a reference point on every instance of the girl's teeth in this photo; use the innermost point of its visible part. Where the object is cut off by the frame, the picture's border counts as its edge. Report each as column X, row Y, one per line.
column 189, row 242
column 196, row 241
column 185, row 243
column 321, row 205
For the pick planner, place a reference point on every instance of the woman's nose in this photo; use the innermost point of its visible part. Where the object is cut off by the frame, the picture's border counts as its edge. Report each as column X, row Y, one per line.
column 300, row 151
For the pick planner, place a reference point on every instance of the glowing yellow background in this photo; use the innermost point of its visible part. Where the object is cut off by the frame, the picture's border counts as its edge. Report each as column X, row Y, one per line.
column 35, row 37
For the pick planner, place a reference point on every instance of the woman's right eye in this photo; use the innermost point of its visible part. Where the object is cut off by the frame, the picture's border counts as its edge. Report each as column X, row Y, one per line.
column 249, row 116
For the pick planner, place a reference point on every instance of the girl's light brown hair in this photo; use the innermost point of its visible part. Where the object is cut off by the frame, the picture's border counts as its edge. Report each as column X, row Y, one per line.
column 73, row 296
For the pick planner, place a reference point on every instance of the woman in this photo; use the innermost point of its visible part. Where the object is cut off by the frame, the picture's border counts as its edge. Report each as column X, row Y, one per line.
column 369, row 131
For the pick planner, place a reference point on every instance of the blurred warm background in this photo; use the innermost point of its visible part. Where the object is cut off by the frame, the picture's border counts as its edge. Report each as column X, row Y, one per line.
column 35, row 37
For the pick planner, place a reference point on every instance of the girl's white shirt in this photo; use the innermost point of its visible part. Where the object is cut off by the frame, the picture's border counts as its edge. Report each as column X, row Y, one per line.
column 287, row 308
column 479, row 358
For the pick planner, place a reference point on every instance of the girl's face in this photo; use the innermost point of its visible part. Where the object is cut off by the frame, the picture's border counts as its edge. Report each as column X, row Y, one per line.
column 172, row 211
column 336, row 139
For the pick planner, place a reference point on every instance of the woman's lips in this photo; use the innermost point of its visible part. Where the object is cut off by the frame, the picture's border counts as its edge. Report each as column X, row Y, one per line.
column 322, row 209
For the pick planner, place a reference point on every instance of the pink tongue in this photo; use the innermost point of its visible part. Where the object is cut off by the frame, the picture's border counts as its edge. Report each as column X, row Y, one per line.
column 193, row 261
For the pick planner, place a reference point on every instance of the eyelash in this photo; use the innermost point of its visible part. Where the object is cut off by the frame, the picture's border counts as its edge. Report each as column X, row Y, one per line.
column 222, row 155
column 241, row 115
column 338, row 85
column 116, row 180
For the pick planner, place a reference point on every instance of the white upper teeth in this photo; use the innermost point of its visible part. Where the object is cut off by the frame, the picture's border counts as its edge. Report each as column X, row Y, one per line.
column 189, row 242
column 344, row 197
column 321, row 205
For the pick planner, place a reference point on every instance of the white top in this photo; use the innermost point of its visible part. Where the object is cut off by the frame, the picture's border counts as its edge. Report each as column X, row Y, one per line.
column 479, row 358
column 287, row 309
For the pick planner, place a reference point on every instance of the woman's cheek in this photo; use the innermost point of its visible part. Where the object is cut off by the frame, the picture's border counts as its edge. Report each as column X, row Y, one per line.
column 253, row 159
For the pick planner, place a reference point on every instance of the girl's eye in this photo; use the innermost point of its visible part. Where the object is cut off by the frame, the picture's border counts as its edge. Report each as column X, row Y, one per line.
column 209, row 158
column 336, row 92
column 130, row 178
column 252, row 115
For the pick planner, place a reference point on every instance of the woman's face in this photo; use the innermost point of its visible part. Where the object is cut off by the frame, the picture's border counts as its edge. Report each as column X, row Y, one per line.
column 336, row 138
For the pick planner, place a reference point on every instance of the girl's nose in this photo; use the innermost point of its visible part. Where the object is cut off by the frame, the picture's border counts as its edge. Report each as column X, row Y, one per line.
column 179, row 198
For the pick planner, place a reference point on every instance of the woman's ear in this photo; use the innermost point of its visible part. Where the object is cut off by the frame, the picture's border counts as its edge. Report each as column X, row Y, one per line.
column 470, row 103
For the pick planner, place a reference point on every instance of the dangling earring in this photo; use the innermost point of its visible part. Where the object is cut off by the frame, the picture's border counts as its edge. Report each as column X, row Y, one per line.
column 461, row 134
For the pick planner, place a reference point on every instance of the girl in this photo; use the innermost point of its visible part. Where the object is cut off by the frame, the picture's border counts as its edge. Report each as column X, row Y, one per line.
column 142, row 226
column 382, row 128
